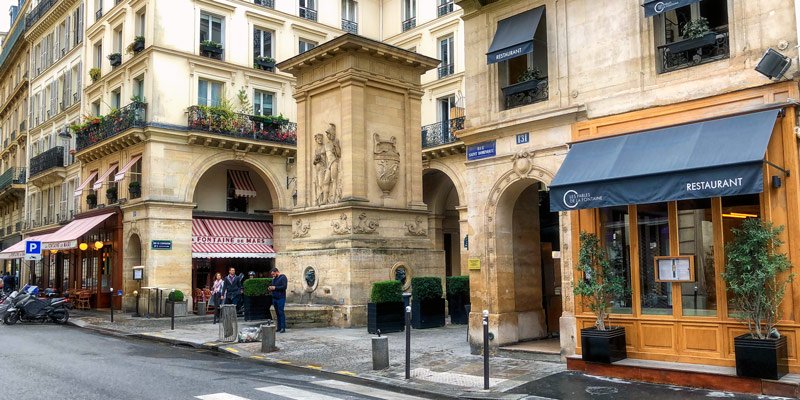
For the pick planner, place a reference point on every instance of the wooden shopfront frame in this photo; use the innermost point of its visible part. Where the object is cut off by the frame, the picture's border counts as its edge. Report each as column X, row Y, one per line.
column 703, row 339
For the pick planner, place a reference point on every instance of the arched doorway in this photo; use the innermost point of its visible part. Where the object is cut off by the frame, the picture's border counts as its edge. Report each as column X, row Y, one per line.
column 440, row 194
column 528, row 248
column 133, row 257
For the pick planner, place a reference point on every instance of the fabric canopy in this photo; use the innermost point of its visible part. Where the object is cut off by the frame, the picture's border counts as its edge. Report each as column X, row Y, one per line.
column 721, row 157
column 514, row 36
column 85, row 183
column 655, row 7
column 67, row 236
column 225, row 238
column 17, row 250
column 102, row 178
column 121, row 173
column 242, row 184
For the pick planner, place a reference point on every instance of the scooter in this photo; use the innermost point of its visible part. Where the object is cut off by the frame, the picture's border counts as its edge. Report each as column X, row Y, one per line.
column 5, row 304
column 28, row 308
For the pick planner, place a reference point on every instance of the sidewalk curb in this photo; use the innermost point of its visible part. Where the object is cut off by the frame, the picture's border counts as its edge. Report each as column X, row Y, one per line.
column 385, row 383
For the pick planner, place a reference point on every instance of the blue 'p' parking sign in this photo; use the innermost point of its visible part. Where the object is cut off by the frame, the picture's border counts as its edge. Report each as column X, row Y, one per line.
column 33, row 250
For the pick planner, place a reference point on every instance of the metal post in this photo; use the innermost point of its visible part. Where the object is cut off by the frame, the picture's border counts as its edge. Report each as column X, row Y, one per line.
column 408, row 342
column 136, row 294
column 173, row 312
column 486, row 349
column 112, row 304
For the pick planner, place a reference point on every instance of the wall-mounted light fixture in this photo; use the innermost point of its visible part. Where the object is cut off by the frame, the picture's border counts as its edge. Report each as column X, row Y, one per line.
column 83, row 246
column 98, row 245
column 773, row 64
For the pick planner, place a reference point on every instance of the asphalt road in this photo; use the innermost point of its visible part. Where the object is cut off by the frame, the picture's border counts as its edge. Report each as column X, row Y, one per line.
column 58, row 362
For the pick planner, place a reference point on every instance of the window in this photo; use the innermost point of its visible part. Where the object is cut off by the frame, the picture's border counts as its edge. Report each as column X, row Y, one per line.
column 98, row 54
column 234, row 203
column 306, row 45
column 350, row 16
column 263, row 103
column 691, row 35
column 98, row 9
column 615, row 235
column 211, row 28
column 653, row 230
column 735, row 210
column 209, row 93
column 140, row 22
column 262, row 43
column 696, row 238
column 409, row 14
column 445, row 104
column 77, row 20
column 116, row 99
column 308, row 9
column 138, row 87
column 446, row 49
column 523, row 79
column 445, row 7
column 118, row 39
column 96, row 108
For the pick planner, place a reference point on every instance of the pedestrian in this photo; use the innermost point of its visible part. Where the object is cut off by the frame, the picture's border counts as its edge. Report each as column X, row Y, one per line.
column 278, row 290
column 8, row 282
column 216, row 295
column 232, row 287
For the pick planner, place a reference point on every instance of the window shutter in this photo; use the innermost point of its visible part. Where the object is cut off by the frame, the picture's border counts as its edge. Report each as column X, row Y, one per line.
column 256, row 43
column 67, row 26
column 57, row 43
column 79, row 33
column 53, row 97
column 68, row 88
column 79, row 85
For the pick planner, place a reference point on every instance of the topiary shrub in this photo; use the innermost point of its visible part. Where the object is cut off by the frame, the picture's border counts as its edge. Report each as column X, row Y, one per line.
column 426, row 288
column 257, row 287
column 176, row 296
column 457, row 285
column 386, row 292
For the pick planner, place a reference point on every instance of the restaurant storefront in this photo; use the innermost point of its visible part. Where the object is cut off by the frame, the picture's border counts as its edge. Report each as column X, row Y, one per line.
column 674, row 181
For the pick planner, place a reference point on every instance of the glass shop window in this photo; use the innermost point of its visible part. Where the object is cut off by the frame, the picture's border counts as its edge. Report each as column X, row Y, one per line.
column 696, row 238
column 653, row 230
column 615, row 235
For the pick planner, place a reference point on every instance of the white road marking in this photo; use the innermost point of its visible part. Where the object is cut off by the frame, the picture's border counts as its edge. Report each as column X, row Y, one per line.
column 364, row 390
column 220, row 396
column 294, row 393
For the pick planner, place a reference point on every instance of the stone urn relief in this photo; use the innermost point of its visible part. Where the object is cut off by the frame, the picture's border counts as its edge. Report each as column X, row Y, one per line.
column 387, row 163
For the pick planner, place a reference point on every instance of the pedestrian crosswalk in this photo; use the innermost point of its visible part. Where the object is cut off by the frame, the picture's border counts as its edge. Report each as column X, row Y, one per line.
column 318, row 390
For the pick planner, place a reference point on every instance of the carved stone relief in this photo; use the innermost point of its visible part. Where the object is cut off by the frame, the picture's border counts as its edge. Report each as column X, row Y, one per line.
column 326, row 161
column 300, row 229
column 416, row 228
column 387, row 163
column 365, row 225
column 341, row 226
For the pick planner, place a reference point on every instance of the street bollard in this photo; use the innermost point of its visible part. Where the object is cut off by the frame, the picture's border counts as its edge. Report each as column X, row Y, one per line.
column 136, row 294
column 268, row 338
column 408, row 342
column 486, row 349
column 228, row 325
column 111, row 295
column 172, row 319
column 380, row 352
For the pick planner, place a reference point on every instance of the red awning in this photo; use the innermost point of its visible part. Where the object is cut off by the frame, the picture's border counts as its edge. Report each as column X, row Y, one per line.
column 102, row 178
column 67, row 236
column 85, row 183
column 225, row 238
column 242, row 184
column 121, row 173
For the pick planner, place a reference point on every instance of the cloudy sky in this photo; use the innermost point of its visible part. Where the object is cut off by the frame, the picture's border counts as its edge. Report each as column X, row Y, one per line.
column 4, row 17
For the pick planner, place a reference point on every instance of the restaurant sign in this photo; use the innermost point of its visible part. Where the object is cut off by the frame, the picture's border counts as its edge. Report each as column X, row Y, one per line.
column 230, row 240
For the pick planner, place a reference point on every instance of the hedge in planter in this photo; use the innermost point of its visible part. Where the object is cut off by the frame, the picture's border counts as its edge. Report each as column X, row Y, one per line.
column 176, row 304
column 385, row 311
column 427, row 304
column 600, row 285
column 257, row 299
column 752, row 275
column 458, row 298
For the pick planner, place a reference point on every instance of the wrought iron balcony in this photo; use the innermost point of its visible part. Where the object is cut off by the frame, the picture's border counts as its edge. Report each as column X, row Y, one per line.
column 446, row 70
column 409, row 23
column 22, row 127
column 12, row 176
column 254, row 127
column 97, row 129
column 687, row 53
column 265, row 3
column 39, row 11
column 350, row 26
column 53, row 158
column 524, row 93
column 308, row 13
column 441, row 132
column 445, row 8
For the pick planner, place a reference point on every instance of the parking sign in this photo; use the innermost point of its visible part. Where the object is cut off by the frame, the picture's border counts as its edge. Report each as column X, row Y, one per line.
column 33, row 250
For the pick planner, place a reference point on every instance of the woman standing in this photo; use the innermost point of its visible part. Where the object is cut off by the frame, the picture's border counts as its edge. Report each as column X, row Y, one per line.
column 216, row 295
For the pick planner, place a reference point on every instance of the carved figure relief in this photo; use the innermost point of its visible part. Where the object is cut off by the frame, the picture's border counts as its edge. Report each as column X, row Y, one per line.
column 320, row 167
column 365, row 225
column 387, row 162
column 341, row 226
column 416, row 228
column 326, row 179
column 300, row 229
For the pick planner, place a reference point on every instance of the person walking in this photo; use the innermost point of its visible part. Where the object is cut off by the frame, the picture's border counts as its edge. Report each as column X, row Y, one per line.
column 278, row 290
column 232, row 287
column 216, row 295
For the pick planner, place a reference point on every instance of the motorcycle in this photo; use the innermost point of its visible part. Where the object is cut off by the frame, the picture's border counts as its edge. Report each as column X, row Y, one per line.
column 5, row 304
column 26, row 307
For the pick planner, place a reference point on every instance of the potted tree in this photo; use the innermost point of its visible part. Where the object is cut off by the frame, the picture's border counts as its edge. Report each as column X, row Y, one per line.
column 91, row 200
column 111, row 194
column 427, row 304
column 176, row 304
column 135, row 189
column 458, row 299
column 385, row 311
column 257, row 299
column 598, row 288
column 115, row 59
column 753, row 274
column 264, row 63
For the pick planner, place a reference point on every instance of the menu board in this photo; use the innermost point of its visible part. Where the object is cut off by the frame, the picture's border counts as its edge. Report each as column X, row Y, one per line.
column 674, row 269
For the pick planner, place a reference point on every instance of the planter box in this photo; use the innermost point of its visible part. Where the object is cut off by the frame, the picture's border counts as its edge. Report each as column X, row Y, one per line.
column 214, row 50
column 603, row 346
column 257, row 308
column 521, row 87
column 761, row 358
column 138, row 46
column 115, row 59
column 388, row 317
column 178, row 309
column 265, row 65
column 690, row 44
column 457, row 307
column 427, row 313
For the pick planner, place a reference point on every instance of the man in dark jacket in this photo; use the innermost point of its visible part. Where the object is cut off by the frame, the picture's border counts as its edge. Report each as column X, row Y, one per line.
column 232, row 287
column 278, row 290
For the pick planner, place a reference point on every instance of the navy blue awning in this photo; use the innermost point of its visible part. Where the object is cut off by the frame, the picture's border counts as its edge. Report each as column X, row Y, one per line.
column 655, row 7
column 514, row 36
column 720, row 157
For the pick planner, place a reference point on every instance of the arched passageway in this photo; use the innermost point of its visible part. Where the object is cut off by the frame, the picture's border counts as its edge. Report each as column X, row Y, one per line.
column 441, row 196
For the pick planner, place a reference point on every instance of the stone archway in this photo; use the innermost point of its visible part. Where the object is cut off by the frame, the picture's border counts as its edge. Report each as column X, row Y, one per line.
column 132, row 256
column 442, row 196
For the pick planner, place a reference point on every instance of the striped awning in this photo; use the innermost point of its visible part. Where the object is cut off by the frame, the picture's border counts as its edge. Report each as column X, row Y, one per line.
column 242, row 183
column 17, row 250
column 67, row 237
column 226, row 238
column 121, row 173
column 102, row 178
column 85, row 183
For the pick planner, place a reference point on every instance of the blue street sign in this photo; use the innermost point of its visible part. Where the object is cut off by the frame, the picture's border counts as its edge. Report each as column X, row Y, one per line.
column 481, row 150
column 119, row 292
column 161, row 245
column 523, row 138
column 33, row 247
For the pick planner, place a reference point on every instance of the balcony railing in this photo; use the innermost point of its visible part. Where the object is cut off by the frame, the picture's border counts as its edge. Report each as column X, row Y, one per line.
column 446, row 70
column 265, row 3
column 209, row 119
column 39, row 11
column 53, row 158
column 445, row 8
column 98, row 14
column 350, row 26
column 308, row 13
column 708, row 48
column 12, row 176
column 409, row 23
column 21, row 127
column 524, row 93
column 441, row 132
column 97, row 129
